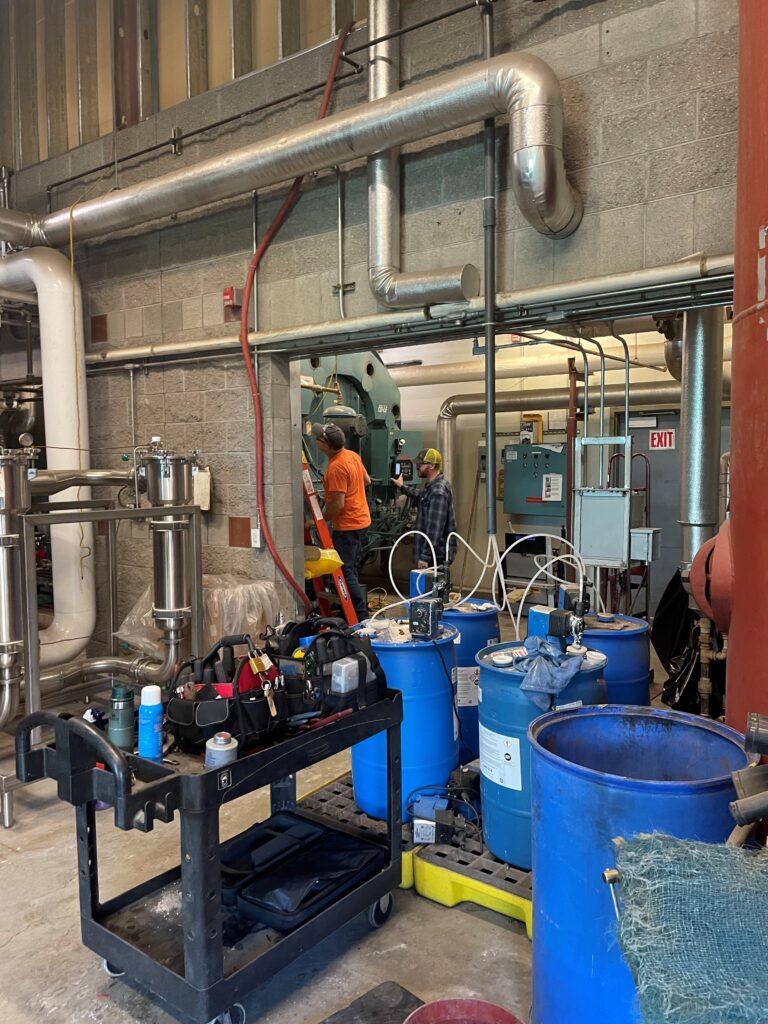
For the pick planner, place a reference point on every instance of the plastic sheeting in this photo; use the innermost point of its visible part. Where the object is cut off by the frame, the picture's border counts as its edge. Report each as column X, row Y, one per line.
column 231, row 605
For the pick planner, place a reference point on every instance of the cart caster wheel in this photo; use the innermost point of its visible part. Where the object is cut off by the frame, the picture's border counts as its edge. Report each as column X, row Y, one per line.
column 380, row 912
column 235, row 1015
column 109, row 969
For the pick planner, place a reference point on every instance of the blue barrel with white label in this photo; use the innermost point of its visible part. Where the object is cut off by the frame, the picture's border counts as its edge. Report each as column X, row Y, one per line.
column 505, row 712
column 478, row 625
column 429, row 736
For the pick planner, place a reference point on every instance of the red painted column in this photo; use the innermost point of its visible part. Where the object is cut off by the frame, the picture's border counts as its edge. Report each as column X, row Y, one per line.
column 747, row 686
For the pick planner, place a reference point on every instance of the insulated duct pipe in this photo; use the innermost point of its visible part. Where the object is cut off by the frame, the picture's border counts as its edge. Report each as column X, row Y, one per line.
column 651, row 356
column 65, row 407
column 700, row 420
column 388, row 284
column 665, row 394
column 517, row 84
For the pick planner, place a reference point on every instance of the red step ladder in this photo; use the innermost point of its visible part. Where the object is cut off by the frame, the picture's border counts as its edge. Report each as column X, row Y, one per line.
column 326, row 541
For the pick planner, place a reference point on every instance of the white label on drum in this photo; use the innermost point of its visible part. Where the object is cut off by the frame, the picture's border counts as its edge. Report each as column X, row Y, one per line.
column 465, row 680
column 500, row 759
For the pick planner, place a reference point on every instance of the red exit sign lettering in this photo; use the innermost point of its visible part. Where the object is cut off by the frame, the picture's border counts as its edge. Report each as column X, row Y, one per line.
column 658, row 439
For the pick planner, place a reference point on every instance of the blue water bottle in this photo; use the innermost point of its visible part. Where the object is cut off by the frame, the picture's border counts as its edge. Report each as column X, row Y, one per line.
column 151, row 723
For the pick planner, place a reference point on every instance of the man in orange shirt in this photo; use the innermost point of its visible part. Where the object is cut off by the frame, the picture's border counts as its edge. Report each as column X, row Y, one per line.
column 346, row 506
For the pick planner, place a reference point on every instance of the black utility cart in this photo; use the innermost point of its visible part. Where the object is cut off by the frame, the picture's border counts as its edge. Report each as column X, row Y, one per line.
column 179, row 936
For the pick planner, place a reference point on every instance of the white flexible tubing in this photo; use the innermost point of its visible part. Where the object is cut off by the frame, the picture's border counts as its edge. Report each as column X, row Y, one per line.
column 484, row 561
column 571, row 560
column 408, row 533
column 527, row 590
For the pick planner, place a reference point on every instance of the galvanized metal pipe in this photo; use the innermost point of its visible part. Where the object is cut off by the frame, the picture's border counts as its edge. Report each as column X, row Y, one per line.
column 489, row 286
column 700, row 422
column 518, row 84
column 385, row 278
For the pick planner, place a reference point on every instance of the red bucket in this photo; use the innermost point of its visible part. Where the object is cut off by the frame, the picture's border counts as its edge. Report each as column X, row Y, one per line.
column 461, row 1011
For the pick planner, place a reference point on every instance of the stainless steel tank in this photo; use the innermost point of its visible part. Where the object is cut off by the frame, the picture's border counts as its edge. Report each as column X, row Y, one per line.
column 14, row 500
column 169, row 482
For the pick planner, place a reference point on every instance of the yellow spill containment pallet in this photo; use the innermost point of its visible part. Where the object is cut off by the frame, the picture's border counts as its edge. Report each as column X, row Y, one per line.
column 454, row 874
column 336, row 801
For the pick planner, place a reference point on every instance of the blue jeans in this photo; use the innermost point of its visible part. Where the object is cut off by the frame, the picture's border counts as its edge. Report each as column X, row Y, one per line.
column 349, row 545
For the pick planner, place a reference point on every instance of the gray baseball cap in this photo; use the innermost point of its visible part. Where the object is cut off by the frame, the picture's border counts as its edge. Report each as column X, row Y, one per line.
column 330, row 433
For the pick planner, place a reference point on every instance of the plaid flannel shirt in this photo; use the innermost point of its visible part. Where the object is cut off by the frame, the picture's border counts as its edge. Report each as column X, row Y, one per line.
column 435, row 518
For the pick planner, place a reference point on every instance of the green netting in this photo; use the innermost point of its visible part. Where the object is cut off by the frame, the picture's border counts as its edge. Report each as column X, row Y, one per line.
column 694, row 930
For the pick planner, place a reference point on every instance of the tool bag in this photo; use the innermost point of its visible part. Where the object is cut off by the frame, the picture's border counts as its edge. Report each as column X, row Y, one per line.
column 247, row 716
column 331, row 646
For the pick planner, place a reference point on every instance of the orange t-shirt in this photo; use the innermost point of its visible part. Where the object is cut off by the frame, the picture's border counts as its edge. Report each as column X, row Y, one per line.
column 345, row 473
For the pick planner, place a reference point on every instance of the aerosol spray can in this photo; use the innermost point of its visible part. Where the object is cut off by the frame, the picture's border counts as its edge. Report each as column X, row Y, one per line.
column 120, row 728
column 151, row 723
column 220, row 749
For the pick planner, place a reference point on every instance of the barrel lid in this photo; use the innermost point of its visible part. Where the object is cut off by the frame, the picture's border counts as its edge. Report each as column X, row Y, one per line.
column 472, row 606
column 394, row 634
column 621, row 625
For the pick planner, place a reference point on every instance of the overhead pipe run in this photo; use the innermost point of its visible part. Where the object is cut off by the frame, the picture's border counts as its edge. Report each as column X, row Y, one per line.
column 517, row 84
column 65, row 407
column 664, row 394
column 387, row 282
column 650, row 356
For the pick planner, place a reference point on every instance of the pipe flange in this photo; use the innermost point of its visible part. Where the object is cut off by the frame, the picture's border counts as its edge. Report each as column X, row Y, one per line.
column 11, row 647
column 9, row 540
column 166, row 527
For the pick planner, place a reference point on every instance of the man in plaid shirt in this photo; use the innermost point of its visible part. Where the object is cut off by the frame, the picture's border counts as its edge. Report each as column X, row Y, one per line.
column 435, row 515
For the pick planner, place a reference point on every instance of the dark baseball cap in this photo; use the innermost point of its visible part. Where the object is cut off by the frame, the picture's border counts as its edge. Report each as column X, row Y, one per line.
column 330, row 433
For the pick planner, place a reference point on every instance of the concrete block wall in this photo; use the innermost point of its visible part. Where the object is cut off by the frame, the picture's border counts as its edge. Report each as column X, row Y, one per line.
column 650, row 96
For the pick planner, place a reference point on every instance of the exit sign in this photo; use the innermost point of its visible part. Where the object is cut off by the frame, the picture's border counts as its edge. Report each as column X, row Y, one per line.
column 658, row 439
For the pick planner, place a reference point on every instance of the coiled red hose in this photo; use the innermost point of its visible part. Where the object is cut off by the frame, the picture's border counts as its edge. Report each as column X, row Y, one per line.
column 286, row 207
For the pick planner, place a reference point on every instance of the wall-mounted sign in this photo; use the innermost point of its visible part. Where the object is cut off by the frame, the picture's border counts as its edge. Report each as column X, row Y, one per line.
column 661, row 439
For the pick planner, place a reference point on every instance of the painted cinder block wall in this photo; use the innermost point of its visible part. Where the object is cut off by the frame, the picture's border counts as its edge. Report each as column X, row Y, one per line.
column 650, row 140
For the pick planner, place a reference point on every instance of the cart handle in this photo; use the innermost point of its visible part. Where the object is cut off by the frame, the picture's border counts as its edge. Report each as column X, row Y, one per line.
column 105, row 751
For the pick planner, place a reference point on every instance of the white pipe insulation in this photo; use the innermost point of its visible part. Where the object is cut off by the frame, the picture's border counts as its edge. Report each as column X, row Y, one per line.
column 550, row 361
column 65, row 406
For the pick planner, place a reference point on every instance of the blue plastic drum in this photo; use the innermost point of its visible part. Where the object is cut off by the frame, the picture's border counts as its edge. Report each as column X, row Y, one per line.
column 505, row 712
column 478, row 627
column 597, row 774
column 429, row 736
column 628, row 673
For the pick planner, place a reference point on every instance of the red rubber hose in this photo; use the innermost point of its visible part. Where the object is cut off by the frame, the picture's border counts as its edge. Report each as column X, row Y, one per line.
column 286, row 207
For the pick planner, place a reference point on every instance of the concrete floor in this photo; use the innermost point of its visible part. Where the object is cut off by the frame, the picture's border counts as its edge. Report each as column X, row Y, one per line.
column 46, row 974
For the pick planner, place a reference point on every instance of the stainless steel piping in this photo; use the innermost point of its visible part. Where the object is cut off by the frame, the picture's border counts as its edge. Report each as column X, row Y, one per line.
column 700, row 422
column 139, row 670
column 656, row 395
column 385, row 278
column 14, row 501
column 517, row 84
column 51, row 481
